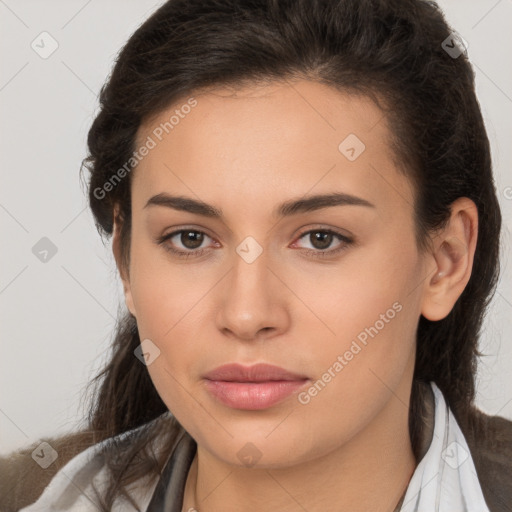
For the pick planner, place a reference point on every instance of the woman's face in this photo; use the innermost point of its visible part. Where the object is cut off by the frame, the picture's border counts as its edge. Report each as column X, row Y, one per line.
column 333, row 294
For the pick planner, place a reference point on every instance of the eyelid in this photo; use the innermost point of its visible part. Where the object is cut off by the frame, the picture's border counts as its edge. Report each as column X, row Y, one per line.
column 178, row 229
column 333, row 231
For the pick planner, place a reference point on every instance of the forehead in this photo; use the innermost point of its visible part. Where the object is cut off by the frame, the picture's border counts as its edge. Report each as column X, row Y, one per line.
column 263, row 141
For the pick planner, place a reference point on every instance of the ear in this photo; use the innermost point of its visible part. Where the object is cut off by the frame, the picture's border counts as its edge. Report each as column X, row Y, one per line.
column 452, row 260
column 123, row 271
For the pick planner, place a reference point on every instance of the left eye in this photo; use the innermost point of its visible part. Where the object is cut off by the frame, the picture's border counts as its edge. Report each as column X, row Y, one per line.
column 321, row 240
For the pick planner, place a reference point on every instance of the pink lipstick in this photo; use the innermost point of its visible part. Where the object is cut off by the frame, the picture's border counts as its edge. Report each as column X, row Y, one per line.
column 252, row 387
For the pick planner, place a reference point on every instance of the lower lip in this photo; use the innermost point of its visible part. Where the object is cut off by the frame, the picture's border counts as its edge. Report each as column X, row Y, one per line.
column 253, row 395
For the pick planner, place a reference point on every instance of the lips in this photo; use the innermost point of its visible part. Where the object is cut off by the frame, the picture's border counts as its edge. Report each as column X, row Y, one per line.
column 257, row 373
column 252, row 387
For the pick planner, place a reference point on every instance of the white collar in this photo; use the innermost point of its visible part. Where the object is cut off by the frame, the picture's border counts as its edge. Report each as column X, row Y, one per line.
column 445, row 480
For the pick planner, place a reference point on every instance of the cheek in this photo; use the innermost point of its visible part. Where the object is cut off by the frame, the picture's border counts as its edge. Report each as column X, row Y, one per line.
column 374, row 320
column 170, row 301
column 164, row 292
column 365, row 284
column 369, row 306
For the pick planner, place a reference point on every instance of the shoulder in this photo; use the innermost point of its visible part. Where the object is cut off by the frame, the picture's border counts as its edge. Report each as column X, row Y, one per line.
column 26, row 472
column 489, row 439
column 25, row 482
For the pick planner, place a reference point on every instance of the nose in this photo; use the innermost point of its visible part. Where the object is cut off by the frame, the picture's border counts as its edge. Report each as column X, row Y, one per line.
column 254, row 302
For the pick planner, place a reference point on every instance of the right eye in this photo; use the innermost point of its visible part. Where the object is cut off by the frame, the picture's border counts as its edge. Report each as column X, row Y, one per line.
column 190, row 240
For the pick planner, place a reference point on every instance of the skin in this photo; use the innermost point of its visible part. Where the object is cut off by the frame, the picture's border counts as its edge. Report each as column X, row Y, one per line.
column 348, row 448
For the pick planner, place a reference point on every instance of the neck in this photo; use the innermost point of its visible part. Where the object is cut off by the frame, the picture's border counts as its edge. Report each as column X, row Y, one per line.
column 370, row 472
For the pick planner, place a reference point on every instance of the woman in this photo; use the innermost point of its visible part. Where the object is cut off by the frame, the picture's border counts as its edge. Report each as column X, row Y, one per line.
column 304, row 220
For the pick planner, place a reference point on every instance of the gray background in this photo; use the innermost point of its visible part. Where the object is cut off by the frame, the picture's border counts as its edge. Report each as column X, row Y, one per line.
column 57, row 317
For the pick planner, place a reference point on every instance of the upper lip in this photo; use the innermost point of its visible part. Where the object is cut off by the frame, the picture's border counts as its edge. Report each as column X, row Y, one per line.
column 261, row 372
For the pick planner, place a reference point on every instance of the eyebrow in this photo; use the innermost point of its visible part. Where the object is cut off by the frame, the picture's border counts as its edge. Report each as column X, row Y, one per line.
column 286, row 209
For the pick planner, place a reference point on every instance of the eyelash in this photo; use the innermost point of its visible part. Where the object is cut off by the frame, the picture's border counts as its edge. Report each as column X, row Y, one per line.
column 317, row 253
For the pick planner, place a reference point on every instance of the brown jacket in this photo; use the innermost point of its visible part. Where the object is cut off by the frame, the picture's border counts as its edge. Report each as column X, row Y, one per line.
column 490, row 442
column 489, row 439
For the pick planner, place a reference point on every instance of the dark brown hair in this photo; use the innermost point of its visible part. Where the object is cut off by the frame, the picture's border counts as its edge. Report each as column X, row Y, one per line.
column 391, row 50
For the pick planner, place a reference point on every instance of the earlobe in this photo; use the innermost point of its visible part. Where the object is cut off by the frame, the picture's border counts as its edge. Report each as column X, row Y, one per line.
column 452, row 260
column 123, row 273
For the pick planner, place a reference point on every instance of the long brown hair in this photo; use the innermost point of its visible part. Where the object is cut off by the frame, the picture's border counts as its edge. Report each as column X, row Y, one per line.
column 392, row 50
